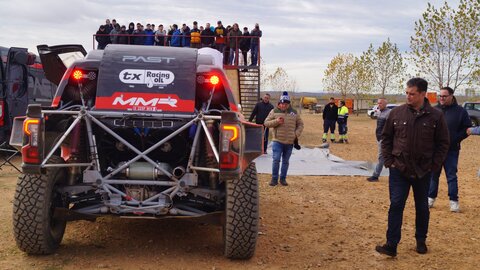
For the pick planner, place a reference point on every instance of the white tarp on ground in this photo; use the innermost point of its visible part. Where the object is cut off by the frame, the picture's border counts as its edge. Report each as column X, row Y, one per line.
column 318, row 161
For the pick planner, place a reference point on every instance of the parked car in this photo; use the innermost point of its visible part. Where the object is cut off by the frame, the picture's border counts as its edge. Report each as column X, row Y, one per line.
column 372, row 112
column 473, row 110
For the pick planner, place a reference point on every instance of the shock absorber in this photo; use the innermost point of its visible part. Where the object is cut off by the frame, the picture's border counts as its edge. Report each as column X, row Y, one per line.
column 210, row 160
column 77, row 152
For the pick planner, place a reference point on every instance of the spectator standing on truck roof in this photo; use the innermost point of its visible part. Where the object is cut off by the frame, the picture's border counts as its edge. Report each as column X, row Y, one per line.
column 245, row 45
column 287, row 126
column 186, row 36
column 220, row 37
column 170, row 34
column 176, row 40
column 139, row 35
column 123, row 38
column 208, row 36
column 150, row 35
column 108, row 26
column 226, row 50
column 330, row 116
column 195, row 41
column 260, row 113
column 114, row 24
column 381, row 120
column 160, row 36
column 458, row 122
column 114, row 34
column 130, row 30
column 254, row 45
column 415, row 142
column 234, row 43
column 342, row 122
column 102, row 38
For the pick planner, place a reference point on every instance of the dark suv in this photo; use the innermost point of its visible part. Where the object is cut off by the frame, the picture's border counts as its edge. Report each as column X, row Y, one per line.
column 22, row 82
column 473, row 109
column 139, row 132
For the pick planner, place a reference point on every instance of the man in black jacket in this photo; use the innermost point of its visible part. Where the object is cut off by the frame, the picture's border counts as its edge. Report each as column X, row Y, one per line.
column 415, row 143
column 458, row 122
column 102, row 38
column 245, row 45
column 260, row 113
column 330, row 116
column 208, row 37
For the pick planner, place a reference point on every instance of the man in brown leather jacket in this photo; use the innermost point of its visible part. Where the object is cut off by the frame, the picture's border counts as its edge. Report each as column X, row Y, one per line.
column 415, row 142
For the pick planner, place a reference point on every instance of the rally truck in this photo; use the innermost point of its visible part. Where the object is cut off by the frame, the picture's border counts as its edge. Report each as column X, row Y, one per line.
column 137, row 132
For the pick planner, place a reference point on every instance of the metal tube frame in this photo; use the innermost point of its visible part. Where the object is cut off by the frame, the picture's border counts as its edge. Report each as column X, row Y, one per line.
column 106, row 182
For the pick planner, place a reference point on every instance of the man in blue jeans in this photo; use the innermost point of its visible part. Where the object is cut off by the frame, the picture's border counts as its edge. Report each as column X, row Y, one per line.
column 287, row 126
column 414, row 143
column 458, row 122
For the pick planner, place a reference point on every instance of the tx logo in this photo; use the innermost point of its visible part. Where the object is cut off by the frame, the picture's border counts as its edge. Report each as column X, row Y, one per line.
column 131, row 76
column 148, row 77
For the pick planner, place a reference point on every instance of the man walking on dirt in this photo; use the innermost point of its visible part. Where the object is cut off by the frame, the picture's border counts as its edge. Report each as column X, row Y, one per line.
column 414, row 143
column 260, row 113
column 458, row 122
column 288, row 126
column 330, row 116
column 382, row 116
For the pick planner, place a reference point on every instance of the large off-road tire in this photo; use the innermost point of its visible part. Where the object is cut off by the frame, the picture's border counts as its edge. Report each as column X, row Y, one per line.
column 35, row 229
column 242, row 214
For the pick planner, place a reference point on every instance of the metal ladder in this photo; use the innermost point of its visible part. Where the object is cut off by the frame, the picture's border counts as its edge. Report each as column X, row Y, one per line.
column 249, row 81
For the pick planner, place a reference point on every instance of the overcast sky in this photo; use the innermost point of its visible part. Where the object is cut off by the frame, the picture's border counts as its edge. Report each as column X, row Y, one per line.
column 299, row 36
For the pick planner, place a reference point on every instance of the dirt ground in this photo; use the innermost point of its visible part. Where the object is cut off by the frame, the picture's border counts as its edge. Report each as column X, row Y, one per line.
column 315, row 223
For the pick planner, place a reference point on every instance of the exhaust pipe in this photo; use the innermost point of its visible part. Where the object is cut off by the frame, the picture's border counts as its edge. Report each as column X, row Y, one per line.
column 179, row 171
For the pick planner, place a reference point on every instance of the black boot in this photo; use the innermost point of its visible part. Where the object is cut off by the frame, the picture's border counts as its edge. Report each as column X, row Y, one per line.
column 387, row 249
column 421, row 247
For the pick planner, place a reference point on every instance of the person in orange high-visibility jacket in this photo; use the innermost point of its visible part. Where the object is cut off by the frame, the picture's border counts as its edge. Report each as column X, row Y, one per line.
column 342, row 122
column 195, row 36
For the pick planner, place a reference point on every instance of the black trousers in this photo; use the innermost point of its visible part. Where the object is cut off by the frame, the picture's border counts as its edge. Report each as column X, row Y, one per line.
column 399, row 187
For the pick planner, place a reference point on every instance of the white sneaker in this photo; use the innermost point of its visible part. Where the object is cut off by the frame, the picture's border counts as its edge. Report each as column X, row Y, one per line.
column 431, row 201
column 454, row 206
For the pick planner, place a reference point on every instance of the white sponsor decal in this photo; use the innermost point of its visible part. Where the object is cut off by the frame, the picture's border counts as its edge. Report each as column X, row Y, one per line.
column 139, row 101
column 147, row 59
column 149, row 77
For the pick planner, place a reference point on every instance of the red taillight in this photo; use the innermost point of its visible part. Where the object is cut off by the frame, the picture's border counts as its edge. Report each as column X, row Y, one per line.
column 77, row 74
column 229, row 147
column 229, row 161
column 30, row 150
column 2, row 121
column 214, row 80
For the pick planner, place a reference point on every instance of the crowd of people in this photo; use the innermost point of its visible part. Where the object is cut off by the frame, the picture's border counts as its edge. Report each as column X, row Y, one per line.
column 415, row 142
column 230, row 40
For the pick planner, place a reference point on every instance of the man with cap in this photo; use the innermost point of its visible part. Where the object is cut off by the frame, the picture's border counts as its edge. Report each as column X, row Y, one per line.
column 287, row 126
